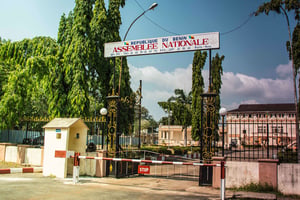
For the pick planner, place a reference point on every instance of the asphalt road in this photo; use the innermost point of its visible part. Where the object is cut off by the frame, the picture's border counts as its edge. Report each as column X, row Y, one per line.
column 37, row 187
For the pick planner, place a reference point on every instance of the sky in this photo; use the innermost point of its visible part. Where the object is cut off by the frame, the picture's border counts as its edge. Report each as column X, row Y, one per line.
column 256, row 68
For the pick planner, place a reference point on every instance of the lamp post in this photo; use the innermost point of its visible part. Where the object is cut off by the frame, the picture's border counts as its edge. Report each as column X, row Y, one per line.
column 223, row 113
column 154, row 5
column 169, row 132
column 103, row 113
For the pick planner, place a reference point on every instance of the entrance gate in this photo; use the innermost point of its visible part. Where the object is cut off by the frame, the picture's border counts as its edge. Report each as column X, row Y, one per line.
column 180, row 43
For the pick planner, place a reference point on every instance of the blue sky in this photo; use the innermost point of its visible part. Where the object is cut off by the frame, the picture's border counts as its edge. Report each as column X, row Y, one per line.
column 256, row 65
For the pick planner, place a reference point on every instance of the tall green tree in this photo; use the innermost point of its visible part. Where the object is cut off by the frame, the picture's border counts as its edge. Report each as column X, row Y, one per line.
column 284, row 7
column 57, row 85
column 77, row 60
column 197, row 90
column 217, row 72
column 100, row 70
column 126, row 110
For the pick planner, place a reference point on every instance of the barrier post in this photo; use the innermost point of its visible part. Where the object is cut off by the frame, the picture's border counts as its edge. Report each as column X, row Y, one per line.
column 222, row 180
column 76, row 168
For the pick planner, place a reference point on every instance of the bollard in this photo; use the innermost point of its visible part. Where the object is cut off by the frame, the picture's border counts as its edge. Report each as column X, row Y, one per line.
column 223, row 180
column 76, row 168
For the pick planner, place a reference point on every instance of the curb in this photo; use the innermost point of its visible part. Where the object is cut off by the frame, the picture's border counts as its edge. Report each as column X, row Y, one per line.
column 253, row 195
column 22, row 170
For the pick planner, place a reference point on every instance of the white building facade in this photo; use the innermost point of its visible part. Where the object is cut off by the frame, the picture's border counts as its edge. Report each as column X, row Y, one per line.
column 260, row 124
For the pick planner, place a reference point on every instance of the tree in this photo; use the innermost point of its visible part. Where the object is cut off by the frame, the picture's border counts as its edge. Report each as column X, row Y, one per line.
column 126, row 109
column 27, row 65
column 57, row 85
column 100, row 69
column 197, row 90
column 217, row 72
column 77, row 60
column 284, row 7
column 180, row 106
column 182, row 110
column 62, row 77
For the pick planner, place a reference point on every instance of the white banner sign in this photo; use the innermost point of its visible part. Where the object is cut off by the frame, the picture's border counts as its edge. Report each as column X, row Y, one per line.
column 170, row 44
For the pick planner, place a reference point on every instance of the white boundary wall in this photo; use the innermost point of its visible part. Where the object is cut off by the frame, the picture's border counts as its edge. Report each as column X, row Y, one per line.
column 289, row 178
column 241, row 173
column 11, row 154
column 33, row 156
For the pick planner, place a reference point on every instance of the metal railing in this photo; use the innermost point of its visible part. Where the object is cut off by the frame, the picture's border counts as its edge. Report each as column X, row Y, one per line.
column 263, row 140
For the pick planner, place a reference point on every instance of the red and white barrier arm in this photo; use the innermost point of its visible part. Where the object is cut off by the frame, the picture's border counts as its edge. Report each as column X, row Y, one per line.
column 147, row 161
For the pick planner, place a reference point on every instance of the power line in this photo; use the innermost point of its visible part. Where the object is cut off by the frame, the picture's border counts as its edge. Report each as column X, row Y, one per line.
column 156, row 24
column 221, row 33
column 240, row 26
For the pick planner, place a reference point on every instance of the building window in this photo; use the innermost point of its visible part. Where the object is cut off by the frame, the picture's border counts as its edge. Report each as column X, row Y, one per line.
column 277, row 129
column 250, row 115
column 261, row 129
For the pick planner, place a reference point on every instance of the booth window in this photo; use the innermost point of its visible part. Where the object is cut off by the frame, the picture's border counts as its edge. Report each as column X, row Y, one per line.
column 58, row 135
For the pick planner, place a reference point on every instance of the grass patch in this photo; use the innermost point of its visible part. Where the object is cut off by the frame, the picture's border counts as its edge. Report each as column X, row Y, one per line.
column 4, row 165
column 253, row 187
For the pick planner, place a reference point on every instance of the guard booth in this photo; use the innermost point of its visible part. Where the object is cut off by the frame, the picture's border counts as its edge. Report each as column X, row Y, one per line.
column 62, row 135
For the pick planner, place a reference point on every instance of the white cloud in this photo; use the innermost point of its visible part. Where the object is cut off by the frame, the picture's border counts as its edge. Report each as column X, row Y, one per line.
column 236, row 89
column 284, row 71
column 165, row 81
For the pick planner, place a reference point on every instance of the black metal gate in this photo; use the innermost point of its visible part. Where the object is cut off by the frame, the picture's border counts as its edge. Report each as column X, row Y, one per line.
column 205, row 176
column 207, row 136
column 121, row 169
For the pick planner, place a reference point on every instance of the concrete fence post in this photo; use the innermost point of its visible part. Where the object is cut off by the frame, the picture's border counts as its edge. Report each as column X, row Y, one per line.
column 268, row 172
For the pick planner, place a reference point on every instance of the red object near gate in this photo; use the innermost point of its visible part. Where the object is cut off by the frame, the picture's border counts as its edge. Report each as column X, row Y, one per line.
column 143, row 169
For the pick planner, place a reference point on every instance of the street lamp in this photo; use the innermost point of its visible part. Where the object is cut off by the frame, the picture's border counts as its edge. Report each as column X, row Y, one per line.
column 223, row 113
column 103, row 112
column 169, row 115
column 154, row 5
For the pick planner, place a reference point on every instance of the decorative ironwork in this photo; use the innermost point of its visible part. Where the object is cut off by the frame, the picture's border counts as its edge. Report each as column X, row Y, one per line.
column 208, row 129
column 48, row 119
column 112, row 120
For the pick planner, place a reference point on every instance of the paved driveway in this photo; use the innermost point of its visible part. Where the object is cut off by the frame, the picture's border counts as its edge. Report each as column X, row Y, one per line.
column 35, row 186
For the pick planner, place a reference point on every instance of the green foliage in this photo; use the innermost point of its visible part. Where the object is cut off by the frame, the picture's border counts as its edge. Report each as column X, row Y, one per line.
column 180, row 151
column 77, row 60
column 287, row 156
column 164, row 150
column 67, row 77
column 254, row 187
column 217, row 72
column 278, row 6
column 180, row 106
column 197, row 90
column 296, row 47
column 26, row 65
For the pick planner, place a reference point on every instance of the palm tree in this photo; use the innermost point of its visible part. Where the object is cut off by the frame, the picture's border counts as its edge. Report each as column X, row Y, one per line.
column 180, row 105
